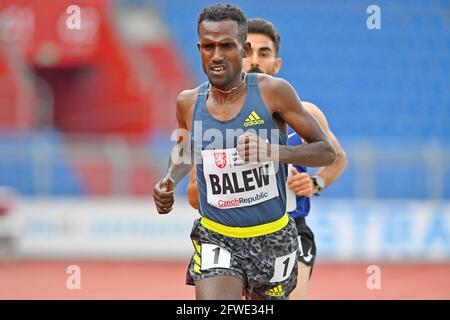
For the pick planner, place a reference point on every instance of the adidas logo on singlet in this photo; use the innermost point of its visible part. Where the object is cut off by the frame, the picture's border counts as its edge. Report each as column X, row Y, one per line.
column 276, row 291
column 253, row 119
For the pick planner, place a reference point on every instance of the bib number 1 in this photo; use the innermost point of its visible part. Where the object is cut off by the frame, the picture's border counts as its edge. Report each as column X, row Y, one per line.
column 283, row 267
column 215, row 257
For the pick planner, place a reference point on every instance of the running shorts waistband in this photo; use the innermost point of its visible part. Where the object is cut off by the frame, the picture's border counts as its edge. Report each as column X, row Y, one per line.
column 245, row 232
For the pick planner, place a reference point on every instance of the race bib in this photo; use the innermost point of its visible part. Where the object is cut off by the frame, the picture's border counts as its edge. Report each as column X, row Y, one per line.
column 233, row 183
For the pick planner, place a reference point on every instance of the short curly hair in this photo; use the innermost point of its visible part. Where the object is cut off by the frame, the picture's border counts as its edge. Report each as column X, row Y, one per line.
column 221, row 12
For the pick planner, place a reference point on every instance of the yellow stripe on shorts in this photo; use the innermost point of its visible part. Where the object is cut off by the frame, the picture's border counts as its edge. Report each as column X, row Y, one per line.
column 246, row 232
column 197, row 259
column 196, row 246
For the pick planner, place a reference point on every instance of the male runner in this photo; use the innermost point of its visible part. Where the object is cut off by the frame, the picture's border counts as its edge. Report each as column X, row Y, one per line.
column 244, row 239
column 264, row 58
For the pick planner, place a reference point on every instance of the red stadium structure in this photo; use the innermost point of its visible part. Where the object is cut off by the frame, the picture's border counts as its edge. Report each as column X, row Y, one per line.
column 101, row 82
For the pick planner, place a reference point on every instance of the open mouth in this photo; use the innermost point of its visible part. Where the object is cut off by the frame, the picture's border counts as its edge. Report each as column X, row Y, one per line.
column 218, row 69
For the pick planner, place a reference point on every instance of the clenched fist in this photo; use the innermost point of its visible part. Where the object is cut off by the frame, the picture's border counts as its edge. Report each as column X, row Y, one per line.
column 252, row 148
column 163, row 196
column 300, row 183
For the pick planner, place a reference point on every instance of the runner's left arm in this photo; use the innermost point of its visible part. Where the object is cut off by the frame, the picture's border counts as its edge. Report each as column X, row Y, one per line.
column 332, row 172
column 301, row 184
column 284, row 102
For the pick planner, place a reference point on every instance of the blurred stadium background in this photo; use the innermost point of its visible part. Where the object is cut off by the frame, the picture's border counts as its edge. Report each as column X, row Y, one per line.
column 86, row 118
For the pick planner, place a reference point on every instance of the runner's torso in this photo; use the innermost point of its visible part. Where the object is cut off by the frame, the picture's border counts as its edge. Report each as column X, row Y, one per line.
column 232, row 192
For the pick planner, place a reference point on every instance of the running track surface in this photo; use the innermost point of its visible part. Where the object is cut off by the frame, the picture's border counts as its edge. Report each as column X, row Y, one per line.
column 165, row 280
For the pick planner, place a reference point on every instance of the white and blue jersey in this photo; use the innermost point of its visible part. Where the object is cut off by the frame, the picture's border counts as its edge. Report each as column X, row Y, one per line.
column 301, row 206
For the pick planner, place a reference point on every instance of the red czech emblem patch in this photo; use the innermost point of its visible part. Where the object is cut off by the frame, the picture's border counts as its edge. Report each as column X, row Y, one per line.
column 220, row 159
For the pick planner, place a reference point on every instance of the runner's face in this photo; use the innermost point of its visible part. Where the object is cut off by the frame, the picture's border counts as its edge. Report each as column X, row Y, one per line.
column 221, row 52
column 262, row 57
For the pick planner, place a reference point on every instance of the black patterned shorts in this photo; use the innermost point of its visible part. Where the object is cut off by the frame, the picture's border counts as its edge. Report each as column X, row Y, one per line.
column 267, row 264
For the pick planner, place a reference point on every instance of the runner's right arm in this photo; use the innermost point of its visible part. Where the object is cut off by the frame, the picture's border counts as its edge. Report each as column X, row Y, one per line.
column 178, row 168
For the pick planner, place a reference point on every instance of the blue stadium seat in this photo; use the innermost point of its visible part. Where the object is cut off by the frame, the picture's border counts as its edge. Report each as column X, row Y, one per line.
column 25, row 156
